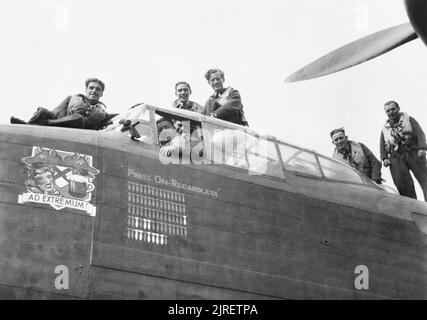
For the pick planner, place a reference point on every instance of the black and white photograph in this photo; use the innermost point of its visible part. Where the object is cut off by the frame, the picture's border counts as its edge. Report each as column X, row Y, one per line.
column 227, row 151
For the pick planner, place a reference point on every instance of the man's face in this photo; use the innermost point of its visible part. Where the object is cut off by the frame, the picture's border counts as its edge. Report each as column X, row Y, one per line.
column 45, row 181
column 216, row 81
column 178, row 126
column 392, row 111
column 182, row 92
column 339, row 139
column 166, row 132
column 94, row 91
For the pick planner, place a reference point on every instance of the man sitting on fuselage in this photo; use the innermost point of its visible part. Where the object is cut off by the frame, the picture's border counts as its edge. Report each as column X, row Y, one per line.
column 76, row 111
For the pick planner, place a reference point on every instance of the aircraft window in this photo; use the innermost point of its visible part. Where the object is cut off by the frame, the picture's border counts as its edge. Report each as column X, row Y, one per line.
column 136, row 124
column 298, row 160
column 336, row 170
column 241, row 149
column 179, row 137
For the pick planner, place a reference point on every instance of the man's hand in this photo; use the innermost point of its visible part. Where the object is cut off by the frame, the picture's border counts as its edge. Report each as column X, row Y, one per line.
column 386, row 162
column 107, row 119
column 95, row 118
column 421, row 153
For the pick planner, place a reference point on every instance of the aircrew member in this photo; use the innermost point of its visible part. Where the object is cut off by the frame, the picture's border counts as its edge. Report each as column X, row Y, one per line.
column 183, row 92
column 403, row 148
column 76, row 111
column 356, row 154
column 225, row 103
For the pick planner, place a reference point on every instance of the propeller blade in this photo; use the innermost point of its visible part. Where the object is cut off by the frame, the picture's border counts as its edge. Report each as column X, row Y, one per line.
column 356, row 52
column 417, row 13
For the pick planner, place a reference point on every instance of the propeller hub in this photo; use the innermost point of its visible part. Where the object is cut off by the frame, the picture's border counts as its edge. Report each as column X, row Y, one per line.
column 417, row 13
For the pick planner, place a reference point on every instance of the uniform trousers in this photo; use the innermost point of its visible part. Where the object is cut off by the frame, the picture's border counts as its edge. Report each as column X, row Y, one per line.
column 400, row 166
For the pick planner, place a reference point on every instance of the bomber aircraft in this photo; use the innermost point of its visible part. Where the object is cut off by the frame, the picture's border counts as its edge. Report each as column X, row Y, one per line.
column 104, row 214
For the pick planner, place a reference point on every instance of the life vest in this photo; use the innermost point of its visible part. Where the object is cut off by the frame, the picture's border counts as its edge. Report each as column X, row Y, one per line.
column 191, row 105
column 390, row 133
column 78, row 104
column 358, row 157
column 223, row 97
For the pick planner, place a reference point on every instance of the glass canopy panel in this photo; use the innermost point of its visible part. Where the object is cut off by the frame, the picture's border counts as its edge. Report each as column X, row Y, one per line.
column 336, row 170
column 298, row 160
column 241, row 149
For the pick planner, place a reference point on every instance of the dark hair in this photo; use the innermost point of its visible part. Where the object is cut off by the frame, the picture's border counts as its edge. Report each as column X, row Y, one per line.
column 390, row 102
column 337, row 130
column 210, row 71
column 183, row 82
column 164, row 120
column 97, row 81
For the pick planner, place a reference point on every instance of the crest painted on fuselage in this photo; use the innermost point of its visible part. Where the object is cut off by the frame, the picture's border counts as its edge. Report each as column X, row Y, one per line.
column 60, row 179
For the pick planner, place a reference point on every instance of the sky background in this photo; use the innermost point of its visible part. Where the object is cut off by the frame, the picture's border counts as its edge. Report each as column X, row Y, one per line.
column 140, row 49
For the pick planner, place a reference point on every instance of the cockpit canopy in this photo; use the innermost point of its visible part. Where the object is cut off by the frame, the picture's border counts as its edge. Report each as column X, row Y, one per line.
column 213, row 141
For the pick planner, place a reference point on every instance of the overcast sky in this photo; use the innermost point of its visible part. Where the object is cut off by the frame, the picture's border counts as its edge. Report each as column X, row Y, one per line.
column 141, row 48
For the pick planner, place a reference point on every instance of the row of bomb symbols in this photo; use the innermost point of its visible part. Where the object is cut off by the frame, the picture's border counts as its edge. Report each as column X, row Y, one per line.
column 156, row 226
column 157, row 214
column 146, row 236
column 156, row 203
column 145, row 189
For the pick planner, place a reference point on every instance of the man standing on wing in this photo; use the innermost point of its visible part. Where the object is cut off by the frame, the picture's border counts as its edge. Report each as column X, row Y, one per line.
column 403, row 148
